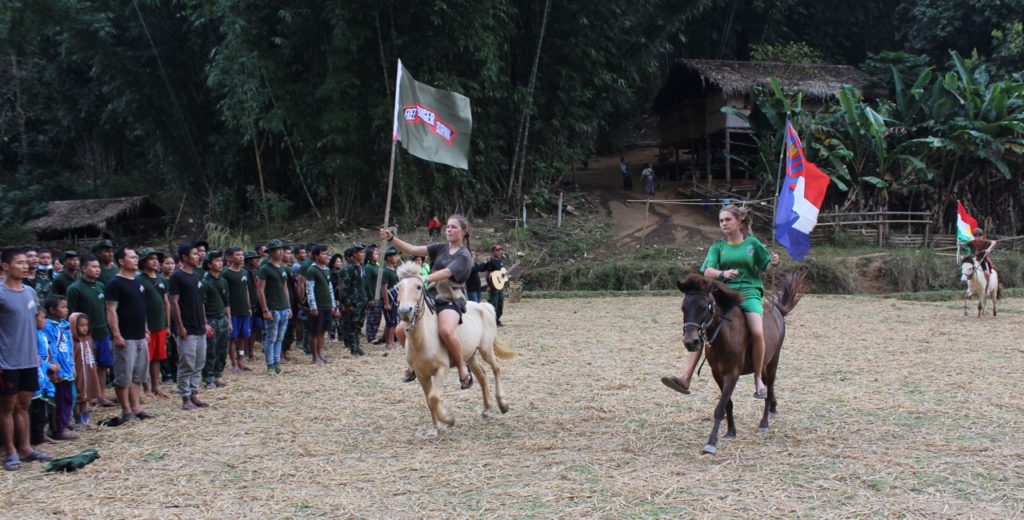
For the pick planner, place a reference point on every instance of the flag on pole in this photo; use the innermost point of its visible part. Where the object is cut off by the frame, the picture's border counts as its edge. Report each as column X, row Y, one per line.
column 800, row 198
column 965, row 224
column 431, row 124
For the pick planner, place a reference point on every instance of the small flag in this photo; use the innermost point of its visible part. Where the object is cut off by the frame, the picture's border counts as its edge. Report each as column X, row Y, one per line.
column 965, row 224
column 432, row 124
column 800, row 198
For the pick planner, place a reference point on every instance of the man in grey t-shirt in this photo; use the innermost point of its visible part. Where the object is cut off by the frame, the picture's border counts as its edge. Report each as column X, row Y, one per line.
column 19, row 360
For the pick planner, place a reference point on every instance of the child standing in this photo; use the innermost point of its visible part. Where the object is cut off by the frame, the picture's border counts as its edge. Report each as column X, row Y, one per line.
column 59, row 334
column 87, row 381
column 42, row 400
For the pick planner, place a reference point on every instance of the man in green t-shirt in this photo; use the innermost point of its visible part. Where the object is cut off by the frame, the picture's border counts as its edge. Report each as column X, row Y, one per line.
column 320, row 297
column 252, row 266
column 158, row 315
column 218, row 316
column 272, row 291
column 104, row 251
column 87, row 296
column 389, row 290
column 237, row 277
column 68, row 276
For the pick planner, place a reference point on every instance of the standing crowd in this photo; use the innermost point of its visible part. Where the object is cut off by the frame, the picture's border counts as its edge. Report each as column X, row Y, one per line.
column 74, row 325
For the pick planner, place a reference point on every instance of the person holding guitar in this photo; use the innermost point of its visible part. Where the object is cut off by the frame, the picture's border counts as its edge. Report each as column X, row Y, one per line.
column 497, row 276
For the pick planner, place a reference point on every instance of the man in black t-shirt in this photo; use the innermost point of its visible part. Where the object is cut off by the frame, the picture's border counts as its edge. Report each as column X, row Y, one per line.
column 495, row 296
column 126, row 316
column 190, row 328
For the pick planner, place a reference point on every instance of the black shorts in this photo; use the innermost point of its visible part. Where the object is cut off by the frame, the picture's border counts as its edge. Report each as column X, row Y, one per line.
column 441, row 305
column 320, row 323
column 20, row 380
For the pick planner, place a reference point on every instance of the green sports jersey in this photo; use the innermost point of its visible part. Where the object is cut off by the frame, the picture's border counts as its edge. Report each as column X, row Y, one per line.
column 90, row 298
column 275, row 277
column 156, row 311
column 215, row 295
column 749, row 257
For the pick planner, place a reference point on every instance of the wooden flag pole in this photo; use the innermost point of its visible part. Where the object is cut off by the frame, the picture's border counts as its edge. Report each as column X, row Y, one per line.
column 391, row 170
column 778, row 182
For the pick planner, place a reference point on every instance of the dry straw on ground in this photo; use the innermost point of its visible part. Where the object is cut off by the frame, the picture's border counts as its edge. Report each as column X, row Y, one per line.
column 887, row 408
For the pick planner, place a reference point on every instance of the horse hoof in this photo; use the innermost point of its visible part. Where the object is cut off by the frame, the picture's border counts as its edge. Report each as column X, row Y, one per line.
column 450, row 422
column 762, row 429
column 503, row 407
column 773, row 414
column 710, row 449
column 485, row 414
column 729, row 436
column 428, row 434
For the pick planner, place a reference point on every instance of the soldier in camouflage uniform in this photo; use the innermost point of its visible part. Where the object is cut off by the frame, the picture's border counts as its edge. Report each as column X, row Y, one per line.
column 353, row 298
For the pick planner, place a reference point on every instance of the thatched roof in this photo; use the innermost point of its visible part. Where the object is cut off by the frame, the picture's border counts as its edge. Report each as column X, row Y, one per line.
column 736, row 78
column 90, row 215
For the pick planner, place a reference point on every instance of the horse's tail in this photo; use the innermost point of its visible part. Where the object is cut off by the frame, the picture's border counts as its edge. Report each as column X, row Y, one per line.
column 501, row 349
column 792, row 287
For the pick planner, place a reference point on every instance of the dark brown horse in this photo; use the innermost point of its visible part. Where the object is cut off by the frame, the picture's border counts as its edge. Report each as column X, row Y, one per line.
column 712, row 316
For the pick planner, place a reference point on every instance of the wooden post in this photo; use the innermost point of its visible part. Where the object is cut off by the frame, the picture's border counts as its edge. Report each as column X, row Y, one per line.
column 559, row 209
column 728, row 163
column 643, row 231
column 707, row 157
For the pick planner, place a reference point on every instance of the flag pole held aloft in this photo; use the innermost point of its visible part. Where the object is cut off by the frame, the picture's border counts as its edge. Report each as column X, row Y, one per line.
column 800, row 198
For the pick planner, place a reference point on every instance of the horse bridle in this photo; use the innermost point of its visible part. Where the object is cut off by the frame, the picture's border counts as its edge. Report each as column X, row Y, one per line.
column 423, row 302
column 710, row 312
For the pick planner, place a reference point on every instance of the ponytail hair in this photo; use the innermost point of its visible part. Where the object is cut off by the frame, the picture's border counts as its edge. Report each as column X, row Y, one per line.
column 742, row 215
column 464, row 224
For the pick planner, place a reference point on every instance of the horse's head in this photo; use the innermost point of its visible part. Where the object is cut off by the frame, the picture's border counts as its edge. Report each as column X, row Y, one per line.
column 702, row 299
column 967, row 268
column 410, row 291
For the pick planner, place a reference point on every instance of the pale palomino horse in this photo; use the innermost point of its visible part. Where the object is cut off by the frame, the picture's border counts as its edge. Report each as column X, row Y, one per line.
column 972, row 274
column 427, row 356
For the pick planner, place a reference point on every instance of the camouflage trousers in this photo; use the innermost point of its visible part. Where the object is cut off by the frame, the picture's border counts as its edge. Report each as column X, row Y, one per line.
column 351, row 323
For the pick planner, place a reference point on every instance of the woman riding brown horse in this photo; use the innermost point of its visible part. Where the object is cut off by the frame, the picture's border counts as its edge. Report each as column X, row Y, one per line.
column 712, row 316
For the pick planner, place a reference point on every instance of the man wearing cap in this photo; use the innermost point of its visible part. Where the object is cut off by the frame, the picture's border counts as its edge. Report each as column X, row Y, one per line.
column 126, row 315
column 43, row 274
column 202, row 246
column 496, row 297
column 389, row 288
column 157, row 315
column 374, row 308
column 88, row 296
column 237, row 278
column 68, row 276
column 252, row 266
column 272, row 291
column 104, row 251
column 320, row 297
column 292, row 332
column 217, row 303
column 190, row 327
column 353, row 299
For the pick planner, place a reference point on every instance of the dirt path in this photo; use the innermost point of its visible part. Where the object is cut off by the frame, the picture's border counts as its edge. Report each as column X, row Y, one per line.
column 666, row 224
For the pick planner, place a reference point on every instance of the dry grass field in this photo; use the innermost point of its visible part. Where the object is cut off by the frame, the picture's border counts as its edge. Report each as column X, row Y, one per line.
column 887, row 408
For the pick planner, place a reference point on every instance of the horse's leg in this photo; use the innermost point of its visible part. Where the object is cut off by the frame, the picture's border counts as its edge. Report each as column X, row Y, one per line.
column 492, row 359
column 730, row 424
column 433, row 402
column 481, row 377
column 728, row 385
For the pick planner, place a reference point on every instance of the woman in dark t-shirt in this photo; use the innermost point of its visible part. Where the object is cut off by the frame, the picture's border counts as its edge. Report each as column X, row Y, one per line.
column 451, row 264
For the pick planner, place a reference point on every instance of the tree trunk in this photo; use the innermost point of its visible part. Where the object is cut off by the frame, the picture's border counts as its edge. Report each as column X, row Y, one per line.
column 516, row 179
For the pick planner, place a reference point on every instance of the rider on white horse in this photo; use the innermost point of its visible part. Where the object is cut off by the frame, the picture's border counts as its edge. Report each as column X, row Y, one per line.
column 981, row 247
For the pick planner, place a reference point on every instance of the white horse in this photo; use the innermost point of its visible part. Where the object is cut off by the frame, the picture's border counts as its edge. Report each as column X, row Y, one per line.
column 972, row 275
column 427, row 356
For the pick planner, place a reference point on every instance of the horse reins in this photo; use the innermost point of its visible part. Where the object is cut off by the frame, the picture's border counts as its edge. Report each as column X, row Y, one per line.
column 417, row 310
column 710, row 315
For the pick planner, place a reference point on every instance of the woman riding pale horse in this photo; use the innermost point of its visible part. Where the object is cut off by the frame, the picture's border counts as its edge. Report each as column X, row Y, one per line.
column 441, row 328
column 977, row 272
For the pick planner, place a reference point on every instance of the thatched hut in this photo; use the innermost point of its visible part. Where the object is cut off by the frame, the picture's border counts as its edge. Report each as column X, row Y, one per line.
column 692, row 126
column 72, row 219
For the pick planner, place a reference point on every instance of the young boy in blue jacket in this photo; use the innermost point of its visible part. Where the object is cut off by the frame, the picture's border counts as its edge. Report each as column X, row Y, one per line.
column 58, row 332
column 42, row 400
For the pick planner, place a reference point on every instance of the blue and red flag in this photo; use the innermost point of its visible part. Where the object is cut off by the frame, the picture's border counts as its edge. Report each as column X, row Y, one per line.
column 800, row 198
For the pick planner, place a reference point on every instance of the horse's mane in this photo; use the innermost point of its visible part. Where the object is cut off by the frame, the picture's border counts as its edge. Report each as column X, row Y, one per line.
column 725, row 297
column 408, row 269
column 968, row 259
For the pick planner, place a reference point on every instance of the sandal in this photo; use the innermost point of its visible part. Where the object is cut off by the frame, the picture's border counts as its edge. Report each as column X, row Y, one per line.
column 676, row 384
column 12, row 463
column 36, row 455
column 466, row 382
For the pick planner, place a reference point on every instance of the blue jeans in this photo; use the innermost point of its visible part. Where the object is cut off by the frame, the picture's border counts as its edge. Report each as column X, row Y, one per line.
column 273, row 336
column 473, row 296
